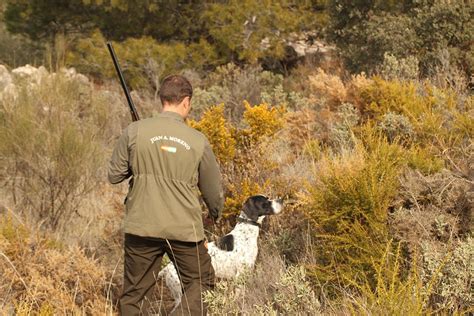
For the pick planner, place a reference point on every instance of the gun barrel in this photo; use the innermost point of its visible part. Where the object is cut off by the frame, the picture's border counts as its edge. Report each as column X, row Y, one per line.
column 133, row 109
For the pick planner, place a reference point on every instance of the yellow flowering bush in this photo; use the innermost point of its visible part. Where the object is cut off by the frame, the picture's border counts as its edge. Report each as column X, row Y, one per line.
column 439, row 117
column 245, row 167
column 218, row 131
column 239, row 193
column 262, row 119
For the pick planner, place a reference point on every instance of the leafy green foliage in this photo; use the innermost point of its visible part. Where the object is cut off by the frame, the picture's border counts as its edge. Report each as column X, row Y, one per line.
column 252, row 29
column 366, row 30
column 237, row 30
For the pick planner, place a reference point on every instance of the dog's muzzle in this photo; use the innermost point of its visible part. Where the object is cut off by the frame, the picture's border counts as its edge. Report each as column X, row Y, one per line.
column 277, row 206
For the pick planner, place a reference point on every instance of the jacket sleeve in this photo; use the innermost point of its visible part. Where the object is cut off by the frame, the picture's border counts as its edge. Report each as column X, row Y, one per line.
column 119, row 166
column 210, row 182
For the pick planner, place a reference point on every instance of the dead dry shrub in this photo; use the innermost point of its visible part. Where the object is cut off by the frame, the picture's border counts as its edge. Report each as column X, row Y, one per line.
column 432, row 208
column 41, row 274
column 307, row 126
column 327, row 88
column 357, row 84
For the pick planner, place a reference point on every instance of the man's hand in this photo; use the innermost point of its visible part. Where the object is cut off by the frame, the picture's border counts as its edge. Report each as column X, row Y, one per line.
column 211, row 221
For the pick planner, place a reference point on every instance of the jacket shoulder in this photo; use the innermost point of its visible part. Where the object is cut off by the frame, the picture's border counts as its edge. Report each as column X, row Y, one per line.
column 195, row 133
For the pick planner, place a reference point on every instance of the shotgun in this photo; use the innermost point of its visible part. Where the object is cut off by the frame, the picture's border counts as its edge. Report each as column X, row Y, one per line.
column 131, row 105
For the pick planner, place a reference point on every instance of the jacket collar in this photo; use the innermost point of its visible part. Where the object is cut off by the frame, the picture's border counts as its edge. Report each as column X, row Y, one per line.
column 172, row 115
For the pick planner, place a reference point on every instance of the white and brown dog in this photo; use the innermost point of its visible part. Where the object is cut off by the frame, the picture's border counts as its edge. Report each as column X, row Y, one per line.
column 235, row 252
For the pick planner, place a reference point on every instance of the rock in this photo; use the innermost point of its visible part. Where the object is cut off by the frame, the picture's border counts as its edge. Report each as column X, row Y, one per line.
column 72, row 74
column 24, row 72
column 306, row 44
column 29, row 73
column 5, row 77
column 10, row 91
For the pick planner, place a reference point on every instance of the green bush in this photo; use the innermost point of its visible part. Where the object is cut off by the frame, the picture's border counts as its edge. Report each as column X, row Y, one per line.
column 403, row 68
column 348, row 207
column 397, row 292
column 439, row 117
column 365, row 31
column 341, row 136
column 396, row 127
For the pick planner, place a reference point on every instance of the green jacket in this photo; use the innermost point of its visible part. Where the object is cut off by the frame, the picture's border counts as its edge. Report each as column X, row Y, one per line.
column 168, row 162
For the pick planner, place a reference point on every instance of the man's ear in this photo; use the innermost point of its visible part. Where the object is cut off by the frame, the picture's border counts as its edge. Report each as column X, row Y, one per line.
column 187, row 102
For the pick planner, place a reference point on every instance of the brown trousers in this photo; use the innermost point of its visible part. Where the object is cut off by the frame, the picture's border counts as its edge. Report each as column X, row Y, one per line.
column 142, row 263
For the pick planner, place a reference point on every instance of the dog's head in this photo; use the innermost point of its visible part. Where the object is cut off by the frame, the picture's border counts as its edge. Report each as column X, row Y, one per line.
column 260, row 205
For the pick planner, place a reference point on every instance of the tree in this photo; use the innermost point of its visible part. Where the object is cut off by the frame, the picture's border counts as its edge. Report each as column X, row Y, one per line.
column 249, row 29
column 364, row 30
column 50, row 22
column 44, row 19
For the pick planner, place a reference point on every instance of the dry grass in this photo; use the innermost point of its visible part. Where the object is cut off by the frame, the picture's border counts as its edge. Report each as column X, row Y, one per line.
column 44, row 274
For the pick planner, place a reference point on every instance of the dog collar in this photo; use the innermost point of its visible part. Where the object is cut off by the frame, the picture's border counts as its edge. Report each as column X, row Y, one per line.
column 248, row 221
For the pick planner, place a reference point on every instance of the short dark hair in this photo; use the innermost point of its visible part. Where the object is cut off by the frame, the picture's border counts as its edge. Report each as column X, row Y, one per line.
column 174, row 89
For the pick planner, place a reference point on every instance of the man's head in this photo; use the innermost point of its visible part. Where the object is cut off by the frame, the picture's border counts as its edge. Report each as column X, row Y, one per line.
column 175, row 94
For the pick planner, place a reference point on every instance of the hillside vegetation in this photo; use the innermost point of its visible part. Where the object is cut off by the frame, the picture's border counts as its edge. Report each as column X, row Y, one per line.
column 376, row 167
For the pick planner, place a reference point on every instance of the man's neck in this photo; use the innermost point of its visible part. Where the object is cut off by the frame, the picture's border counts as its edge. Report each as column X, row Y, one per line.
column 174, row 110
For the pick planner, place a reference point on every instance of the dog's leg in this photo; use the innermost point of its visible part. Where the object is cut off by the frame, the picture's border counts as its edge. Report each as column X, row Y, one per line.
column 171, row 278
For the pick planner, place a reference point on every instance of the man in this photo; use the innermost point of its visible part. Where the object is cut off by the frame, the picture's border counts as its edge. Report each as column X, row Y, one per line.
column 168, row 161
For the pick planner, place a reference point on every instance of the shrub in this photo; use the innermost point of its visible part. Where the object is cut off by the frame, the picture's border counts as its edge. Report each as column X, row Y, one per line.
column 265, row 291
column 348, row 207
column 17, row 50
column 396, row 127
column 216, row 128
column 327, row 89
column 41, row 275
column 231, row 85
column 423, row 160
column 454, row 273
column 438, row 117
column 403, row 68
column 396, row 292
column 341, row 136
column 262, row 121
column 278, row 96
column 50, row 138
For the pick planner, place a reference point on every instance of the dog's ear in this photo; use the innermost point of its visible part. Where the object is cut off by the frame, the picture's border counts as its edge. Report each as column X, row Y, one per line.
column 250, row 209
